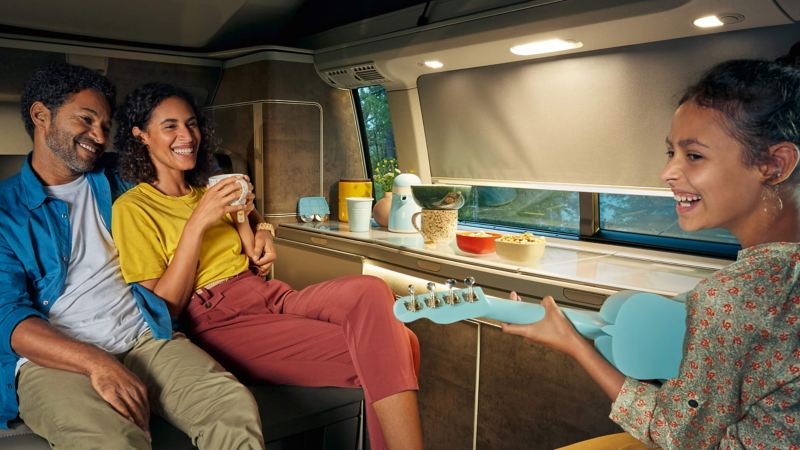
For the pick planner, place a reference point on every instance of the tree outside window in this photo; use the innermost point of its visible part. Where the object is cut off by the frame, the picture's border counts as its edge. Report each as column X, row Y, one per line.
column 377, row 124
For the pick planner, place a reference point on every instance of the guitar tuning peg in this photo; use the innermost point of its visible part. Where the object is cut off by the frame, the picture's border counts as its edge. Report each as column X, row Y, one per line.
column 433, row 302
column 412, row 305
column 451, row 297
column 469, row 282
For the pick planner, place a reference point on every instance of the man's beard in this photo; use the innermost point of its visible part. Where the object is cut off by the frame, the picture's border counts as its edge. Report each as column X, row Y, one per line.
column 64, row 146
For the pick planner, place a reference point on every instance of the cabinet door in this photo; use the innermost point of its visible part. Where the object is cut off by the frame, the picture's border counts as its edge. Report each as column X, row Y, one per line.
column 531, row 397
column 301, row 265
column 447, row 383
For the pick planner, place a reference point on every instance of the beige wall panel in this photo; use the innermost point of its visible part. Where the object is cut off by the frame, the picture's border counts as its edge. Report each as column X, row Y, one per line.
column 14, row 140
column 127, row 74
column 447, row 383
column 534, row 398
column 301, row 265
column 18, row 66
column 234, row 133
column 280, row 80
column 291, row 155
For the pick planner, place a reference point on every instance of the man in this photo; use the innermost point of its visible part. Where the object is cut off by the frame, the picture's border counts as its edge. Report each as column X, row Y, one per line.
column 92, row 355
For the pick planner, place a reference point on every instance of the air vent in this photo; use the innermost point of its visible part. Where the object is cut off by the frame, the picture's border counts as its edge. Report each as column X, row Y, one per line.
column 368, row 73
column 354, row 76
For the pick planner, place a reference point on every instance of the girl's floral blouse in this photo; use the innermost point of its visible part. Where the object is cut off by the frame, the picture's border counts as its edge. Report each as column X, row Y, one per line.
column 739, row 381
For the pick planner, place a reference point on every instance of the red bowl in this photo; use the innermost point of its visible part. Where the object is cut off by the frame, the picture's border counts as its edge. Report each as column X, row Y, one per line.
column 476, row 241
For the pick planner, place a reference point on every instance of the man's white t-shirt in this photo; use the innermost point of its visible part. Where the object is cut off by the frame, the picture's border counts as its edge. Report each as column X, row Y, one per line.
column 97, row 306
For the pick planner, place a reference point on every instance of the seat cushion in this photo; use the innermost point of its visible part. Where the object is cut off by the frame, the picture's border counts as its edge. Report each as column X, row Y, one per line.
column 285, row 411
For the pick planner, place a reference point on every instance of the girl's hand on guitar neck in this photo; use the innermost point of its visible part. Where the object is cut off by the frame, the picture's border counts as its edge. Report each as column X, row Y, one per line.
column 554, row 331
column 557, row 332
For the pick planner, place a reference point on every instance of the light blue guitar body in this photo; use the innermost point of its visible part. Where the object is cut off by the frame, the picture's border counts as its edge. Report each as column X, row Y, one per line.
column 640, row 333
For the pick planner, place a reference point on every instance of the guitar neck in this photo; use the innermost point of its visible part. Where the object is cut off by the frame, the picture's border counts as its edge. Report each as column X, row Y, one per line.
column 445, row 309
column 587, row 323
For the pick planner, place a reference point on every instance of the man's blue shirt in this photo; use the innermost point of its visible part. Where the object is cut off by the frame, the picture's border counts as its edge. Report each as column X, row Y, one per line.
column 35, row 250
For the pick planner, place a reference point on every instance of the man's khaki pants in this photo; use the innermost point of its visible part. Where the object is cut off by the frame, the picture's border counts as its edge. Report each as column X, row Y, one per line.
column 184, row 385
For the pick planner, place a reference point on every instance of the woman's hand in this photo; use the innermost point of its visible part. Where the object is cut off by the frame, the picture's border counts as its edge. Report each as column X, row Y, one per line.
column 216, row 202
column 263, row 254
column 554, row 330
column 251, row 197
column 249, row 205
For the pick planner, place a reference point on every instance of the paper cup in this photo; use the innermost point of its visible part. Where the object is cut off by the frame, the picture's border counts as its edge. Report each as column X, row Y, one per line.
column 359, row 213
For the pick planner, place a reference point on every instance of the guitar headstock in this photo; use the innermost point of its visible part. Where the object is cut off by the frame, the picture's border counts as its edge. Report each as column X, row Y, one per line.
column 444, row 306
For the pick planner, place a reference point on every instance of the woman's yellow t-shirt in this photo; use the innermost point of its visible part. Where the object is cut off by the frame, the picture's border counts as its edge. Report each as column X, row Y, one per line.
column 147, row 226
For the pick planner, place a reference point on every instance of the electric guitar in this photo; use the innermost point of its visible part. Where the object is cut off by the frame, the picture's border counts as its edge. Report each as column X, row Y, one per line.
column 641, row 334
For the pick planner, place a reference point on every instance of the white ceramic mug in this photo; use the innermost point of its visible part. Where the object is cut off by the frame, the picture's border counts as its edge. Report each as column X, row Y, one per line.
column 242, row 198
column 242, row 182
column 359, row 213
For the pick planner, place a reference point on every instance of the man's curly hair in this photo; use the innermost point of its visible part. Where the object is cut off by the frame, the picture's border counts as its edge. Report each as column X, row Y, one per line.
column 135, row 164
column 54, row 83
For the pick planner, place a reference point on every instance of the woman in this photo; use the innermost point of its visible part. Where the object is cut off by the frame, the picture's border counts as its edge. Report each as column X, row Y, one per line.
column 732, row 163
column 176, row 238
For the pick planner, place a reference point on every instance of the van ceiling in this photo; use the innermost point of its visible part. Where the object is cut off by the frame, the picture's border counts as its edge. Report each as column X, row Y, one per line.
column 194, row 25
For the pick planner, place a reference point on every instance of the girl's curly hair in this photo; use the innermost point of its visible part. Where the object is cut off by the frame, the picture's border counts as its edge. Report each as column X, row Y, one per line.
column 135, row 164
column 760, row 101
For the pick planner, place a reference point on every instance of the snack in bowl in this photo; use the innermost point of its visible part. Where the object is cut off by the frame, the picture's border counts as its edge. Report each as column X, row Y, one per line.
column 525, row 248
column 476, row 241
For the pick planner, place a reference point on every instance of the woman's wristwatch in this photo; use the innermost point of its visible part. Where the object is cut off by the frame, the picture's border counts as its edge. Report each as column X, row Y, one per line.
column 266, row 226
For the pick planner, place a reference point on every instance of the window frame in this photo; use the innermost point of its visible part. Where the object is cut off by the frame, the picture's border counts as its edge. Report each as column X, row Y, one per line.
column 362, row 130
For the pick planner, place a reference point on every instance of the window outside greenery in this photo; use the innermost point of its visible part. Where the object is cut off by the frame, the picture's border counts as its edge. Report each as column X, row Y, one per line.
column 377, row 125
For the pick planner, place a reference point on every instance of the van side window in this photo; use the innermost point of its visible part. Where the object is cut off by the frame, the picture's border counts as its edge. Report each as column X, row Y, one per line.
column 551, row 211
column 652, row 222
column 372, row 107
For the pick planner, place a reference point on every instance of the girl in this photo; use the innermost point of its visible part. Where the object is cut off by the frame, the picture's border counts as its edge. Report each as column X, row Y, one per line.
column 176, row 239
column 732, row 154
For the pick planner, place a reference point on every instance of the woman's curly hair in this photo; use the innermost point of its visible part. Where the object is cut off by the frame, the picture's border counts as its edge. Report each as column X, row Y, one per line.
column 135, row 164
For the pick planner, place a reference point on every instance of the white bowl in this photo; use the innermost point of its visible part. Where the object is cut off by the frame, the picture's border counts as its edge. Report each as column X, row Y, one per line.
column 526, row 250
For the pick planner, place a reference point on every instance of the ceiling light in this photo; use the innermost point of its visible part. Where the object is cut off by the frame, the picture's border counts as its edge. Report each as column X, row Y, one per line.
column 433, row 64
column 548, row 46
column 708, row 22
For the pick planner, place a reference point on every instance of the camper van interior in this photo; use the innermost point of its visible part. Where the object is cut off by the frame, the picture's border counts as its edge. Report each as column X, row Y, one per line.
column 545, row 117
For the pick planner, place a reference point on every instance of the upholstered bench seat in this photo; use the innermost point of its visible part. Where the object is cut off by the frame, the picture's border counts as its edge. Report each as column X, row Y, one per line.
column 292, row 417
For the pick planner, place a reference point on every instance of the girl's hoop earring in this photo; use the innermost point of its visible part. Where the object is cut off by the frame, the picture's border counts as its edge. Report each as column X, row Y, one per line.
column 774, row 192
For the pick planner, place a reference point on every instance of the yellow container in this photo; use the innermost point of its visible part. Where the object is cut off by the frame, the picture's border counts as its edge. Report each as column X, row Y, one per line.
column 352, row 188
